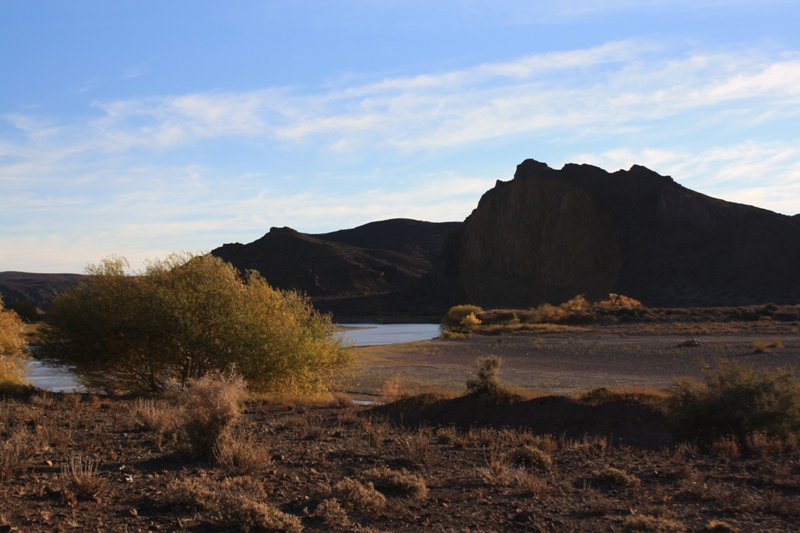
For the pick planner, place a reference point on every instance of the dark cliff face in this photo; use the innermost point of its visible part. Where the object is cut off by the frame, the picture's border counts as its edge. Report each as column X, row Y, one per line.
column 549, row 235
column 376, row 268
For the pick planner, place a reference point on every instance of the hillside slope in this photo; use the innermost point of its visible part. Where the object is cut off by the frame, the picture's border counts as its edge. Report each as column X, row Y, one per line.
column 372, row 269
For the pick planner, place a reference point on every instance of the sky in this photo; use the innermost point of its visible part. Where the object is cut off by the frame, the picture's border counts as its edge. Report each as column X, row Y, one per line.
column 140, row 128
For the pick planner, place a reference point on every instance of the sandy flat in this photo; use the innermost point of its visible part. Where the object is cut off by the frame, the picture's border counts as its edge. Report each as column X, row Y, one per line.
column 566, row 362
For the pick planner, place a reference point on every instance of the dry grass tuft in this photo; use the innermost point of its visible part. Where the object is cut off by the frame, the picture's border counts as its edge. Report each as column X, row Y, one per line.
column 14, row 454
column 497, row 472
column 531, row 456
column 398, row 482
column 719, row 525
column 44, row 400
column 529, row 484
column 727, row 446
column 160, row 417
column 763, row 444
column 82, row 478
column 241, row 454
column 603, row 395
column 393, row 389
column 653, row 523
column 239, row 501
column 415, row 447
column 764, row 346
column 332, row 513
column 615, row 476
column 359, row 496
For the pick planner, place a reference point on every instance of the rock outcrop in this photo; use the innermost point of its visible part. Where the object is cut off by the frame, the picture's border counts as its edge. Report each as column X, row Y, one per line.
column 548, row 235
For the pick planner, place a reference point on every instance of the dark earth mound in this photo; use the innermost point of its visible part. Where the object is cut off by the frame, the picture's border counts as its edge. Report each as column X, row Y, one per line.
column 548, row 235
column 622, row 421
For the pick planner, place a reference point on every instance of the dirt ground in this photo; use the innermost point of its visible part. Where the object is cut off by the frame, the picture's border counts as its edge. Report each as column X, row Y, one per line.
column 81, row 462
column 88, row 464
column 576, row 359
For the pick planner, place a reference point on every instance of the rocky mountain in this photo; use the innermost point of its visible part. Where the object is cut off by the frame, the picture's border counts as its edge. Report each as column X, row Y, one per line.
column 548, row 235
column 374, row 269
column 545, row 236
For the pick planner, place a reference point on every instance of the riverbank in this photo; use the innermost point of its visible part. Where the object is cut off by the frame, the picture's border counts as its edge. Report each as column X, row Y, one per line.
column 568, row 360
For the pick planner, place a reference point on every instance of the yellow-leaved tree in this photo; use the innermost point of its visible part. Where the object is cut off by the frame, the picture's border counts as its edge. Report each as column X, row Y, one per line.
column 12, row 348
column 183, row 317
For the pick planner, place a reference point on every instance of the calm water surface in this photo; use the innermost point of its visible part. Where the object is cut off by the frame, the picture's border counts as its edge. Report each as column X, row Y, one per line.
column 54, row 379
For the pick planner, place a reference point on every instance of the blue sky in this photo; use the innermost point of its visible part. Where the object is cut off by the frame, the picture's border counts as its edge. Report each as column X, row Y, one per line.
column 142, row 128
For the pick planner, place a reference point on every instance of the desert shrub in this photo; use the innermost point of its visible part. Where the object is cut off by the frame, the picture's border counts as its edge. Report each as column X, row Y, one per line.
column 486, row 380
column 183, row 317
column 12, row 348
column 619, row 301
column 356, row 495
column 736, row 400
column 531, row 456
column 239, row 501
column 615, row 476
column 241, row 455
column 415, row 447
column 727, row 446
column 398, row 482
column 160, row 417
column 14, row 454
column 456, row 315
column 212, row 407
column 332, row 513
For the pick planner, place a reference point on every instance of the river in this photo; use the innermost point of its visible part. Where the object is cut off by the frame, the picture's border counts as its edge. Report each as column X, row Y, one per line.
column 55, row 379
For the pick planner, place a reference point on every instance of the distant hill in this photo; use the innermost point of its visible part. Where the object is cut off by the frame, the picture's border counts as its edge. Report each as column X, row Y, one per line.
column 37, row 289
column 374, row 269
column 548, row 235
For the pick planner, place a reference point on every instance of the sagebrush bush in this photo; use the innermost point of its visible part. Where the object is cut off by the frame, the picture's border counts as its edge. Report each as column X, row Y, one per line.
column 398, row 482
column 241, row 454
column 486, row 379
column 360, row 496
column 736, row 400
column 239, row 501
column 212, row 407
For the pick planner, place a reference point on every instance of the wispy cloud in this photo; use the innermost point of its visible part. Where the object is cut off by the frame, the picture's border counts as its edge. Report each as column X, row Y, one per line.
column 616, row 85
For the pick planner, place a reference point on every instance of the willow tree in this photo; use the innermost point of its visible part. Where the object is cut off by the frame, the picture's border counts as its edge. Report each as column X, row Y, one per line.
column 12, row 348
column 183, row 317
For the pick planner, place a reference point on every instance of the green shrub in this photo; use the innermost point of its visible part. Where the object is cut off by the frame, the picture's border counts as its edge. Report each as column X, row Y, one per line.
column 12, row 348
column 736, row 400
column 457, row 314
column 182, row 318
